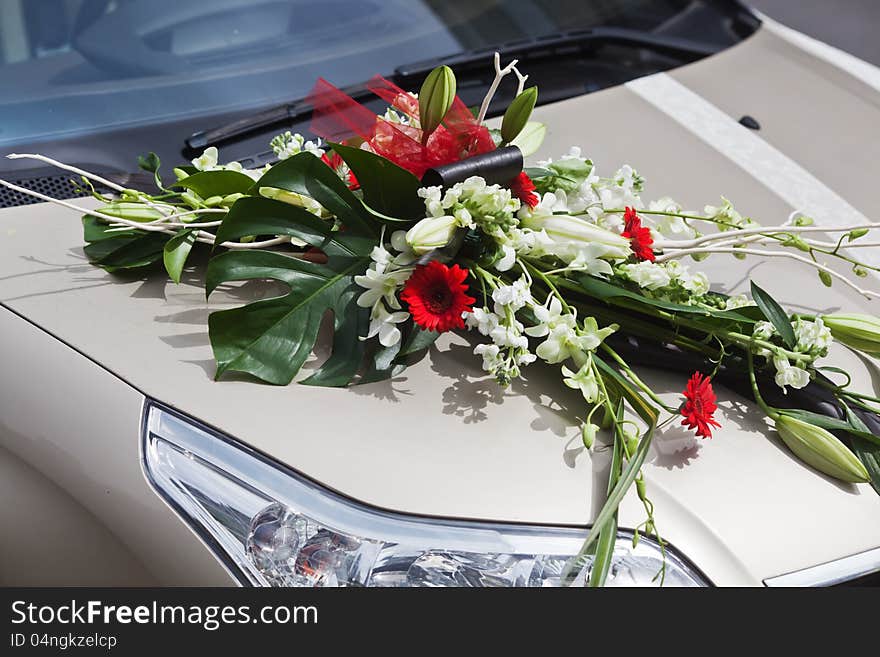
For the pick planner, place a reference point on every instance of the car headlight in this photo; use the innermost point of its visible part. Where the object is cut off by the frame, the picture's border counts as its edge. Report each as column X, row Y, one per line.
column 272, row 527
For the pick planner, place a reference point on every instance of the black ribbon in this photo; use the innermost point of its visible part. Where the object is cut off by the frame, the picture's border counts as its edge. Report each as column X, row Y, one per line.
column 734, row 375
column 497, row 167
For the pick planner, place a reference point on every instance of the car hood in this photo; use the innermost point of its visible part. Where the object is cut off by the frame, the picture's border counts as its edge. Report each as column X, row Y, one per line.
column 442, row 439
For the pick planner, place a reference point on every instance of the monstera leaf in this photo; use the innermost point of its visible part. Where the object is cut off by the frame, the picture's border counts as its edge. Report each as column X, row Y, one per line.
column 387, row 188
column 272, row 338
column 308, row 175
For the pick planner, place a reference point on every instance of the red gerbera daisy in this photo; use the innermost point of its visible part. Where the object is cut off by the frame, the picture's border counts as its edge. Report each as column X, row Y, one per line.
column 699, row 405
column 639, row 236
column 437, row 296
column 524, row 189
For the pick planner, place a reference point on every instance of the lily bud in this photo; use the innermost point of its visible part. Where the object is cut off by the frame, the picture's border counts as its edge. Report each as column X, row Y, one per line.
column 820, row 449
column 565, row 229
column 431, row 233
column 588, row 434
column 131, row 211
column 435, row 98
column 517, row 114
column 860, row 332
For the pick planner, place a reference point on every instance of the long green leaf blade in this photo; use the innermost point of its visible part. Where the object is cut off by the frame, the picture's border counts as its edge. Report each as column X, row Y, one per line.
column 775, row 314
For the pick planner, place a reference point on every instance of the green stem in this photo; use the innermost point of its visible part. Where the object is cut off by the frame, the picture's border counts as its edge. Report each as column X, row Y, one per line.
column 771, row 412
column 636, row 380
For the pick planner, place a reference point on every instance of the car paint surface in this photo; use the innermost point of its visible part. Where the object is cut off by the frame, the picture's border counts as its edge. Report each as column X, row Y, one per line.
column 441, row 439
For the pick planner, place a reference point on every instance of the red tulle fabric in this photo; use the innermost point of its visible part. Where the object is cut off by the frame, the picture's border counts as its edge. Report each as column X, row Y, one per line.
column 337, row 117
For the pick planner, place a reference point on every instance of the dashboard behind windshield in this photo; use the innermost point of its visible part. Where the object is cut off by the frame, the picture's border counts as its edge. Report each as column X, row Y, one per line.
column 70, row 68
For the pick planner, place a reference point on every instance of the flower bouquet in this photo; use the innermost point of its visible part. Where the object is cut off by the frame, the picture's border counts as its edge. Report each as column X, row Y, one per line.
column 424, row 220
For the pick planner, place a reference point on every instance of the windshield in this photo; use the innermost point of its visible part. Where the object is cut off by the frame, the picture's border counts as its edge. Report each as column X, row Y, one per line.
column 75, row 67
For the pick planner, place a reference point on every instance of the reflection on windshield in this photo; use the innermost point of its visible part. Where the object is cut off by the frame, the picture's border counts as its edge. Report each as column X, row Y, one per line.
column 70, row 67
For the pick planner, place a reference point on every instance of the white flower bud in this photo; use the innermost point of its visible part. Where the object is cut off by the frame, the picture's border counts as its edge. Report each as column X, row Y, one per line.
column 565, row 229
column 431, row 233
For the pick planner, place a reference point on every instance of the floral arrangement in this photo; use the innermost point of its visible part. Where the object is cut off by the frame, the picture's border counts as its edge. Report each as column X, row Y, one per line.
column 550, row 263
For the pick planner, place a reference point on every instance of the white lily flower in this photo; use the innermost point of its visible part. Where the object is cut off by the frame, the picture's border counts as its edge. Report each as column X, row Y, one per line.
column 573, row 235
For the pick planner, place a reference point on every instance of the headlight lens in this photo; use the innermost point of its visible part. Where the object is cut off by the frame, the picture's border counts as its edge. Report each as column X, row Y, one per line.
column 272, row 527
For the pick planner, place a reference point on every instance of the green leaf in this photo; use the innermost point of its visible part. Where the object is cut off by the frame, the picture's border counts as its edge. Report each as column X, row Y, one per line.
column 775, row 315
column 609, row 509
column 130, row 251
column 255, row 215
column 388, row 188
column 531, row 138
column 620, row 296
column 350, row 322
column 306, row 174
column 418, row 340
column 151, row 163
column 608, row 513
column 96, row 230
column 869, row 454
column 866, row 451
column 272, row 338
column 216, row 183
column 603, row 549
column 176, row 251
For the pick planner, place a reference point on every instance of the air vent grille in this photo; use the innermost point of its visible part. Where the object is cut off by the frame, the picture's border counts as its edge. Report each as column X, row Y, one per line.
column 54, row 186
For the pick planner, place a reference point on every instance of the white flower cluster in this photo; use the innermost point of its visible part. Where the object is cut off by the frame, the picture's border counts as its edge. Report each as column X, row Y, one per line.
column 509, row 349
column 726, row 216
column 813, row 341
column 382, row 281
column 473, row 203
column 288, row 144
column 564, row 338
column 667, row 277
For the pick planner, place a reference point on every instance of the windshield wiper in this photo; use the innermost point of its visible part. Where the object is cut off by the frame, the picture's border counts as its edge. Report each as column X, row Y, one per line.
column 554, row 45
column 286, row 113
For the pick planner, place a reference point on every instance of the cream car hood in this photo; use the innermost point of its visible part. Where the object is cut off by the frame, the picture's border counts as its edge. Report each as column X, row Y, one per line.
column 441, row 439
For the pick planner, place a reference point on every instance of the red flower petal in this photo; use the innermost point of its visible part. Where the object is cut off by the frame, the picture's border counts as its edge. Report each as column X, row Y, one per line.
column 336, row 162
column 639, row 236
column 437, row 296
column 524, row 189
column 699, row 406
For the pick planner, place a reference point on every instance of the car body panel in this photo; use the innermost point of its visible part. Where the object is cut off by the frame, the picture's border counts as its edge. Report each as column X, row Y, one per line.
column 441, row 439
column 82, row 512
